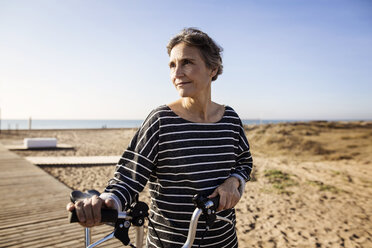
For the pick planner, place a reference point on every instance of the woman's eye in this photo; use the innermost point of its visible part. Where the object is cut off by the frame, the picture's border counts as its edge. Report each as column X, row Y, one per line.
column 185, row 62
column 171, row 65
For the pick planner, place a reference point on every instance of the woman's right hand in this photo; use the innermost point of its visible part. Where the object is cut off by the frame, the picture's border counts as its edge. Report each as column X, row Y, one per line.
column 88, row 210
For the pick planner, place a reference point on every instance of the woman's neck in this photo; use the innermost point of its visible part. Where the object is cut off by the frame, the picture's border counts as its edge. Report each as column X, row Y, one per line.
column 202, row 109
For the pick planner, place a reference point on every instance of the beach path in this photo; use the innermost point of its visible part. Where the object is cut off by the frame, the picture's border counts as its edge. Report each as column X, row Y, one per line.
column 32, row 208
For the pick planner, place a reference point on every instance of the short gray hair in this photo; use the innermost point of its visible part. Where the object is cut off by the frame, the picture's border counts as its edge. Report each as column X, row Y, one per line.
column 210, row 51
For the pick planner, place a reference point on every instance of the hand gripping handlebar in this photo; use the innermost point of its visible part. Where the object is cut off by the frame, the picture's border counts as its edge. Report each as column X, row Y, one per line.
column 122, row 220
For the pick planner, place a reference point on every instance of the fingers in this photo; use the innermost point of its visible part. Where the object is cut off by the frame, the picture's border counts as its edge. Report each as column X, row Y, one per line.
column 223, row 202
column 232, row 201
column 229, row 195
column 227, row 201
column 70, row 206
column 214, row 194
column 96, row 209
column 110, row 203
column 80, row 211
column 88, row 211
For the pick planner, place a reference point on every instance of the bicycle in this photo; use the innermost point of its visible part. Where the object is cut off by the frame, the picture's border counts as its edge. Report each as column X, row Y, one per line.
column 136, row 215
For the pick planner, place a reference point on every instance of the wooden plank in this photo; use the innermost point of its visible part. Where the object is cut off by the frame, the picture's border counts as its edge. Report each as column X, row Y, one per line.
column 83, row 160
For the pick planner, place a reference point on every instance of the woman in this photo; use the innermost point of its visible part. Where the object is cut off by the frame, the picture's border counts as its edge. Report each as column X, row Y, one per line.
column 192, row 145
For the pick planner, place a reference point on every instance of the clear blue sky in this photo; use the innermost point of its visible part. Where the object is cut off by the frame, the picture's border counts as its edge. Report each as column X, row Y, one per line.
column 85, row 59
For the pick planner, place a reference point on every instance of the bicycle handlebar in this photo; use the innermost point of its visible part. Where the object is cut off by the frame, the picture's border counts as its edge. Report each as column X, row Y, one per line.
column 203, row 202
column 216, row 201
column 107, row 216
column 139, row 211
column 203, row 205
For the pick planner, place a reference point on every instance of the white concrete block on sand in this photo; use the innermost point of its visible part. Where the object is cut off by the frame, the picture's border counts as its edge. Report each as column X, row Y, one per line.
column 40, row 142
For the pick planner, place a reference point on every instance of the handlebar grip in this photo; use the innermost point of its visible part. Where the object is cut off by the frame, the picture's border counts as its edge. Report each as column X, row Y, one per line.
column 216, row 201
column 107, row 216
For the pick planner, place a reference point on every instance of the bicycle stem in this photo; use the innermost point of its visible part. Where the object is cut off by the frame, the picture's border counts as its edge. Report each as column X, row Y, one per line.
column 139, row 236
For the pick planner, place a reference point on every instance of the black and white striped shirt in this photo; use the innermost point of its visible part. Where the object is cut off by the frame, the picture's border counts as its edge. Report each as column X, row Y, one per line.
column 179, row 159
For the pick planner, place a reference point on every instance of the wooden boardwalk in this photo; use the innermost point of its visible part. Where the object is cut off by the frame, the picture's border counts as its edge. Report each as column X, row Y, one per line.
column 32, row 208
column 76, row 160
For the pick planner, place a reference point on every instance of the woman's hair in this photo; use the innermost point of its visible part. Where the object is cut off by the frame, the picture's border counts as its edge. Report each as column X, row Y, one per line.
column 209, row 50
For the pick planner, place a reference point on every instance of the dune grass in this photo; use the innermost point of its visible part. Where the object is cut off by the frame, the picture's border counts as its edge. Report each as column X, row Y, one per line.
column 280, row 180
column 324, row 187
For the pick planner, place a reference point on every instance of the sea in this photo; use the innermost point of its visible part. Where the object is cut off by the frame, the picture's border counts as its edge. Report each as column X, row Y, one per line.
column 93, row 124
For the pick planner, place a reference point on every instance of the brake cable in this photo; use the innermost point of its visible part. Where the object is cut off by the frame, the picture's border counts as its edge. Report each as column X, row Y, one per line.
column 152, row 225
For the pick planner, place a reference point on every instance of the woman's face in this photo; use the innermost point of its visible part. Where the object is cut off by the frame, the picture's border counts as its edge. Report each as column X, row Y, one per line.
column 188, row 71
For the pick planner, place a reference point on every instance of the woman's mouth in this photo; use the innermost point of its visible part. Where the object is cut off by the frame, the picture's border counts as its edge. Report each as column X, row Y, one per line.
column 182, row 83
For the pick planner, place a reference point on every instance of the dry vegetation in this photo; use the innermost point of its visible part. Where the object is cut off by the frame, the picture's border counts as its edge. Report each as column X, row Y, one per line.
column 311, row 186
column 313, row 141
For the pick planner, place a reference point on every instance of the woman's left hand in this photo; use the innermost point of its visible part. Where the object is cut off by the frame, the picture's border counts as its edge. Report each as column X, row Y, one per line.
column 228, row 192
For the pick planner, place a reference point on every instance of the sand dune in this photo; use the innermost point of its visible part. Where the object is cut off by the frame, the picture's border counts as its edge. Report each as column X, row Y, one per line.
column 311, row 187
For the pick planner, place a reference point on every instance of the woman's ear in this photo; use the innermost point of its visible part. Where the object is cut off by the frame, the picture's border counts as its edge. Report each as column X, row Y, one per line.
column 213, row 72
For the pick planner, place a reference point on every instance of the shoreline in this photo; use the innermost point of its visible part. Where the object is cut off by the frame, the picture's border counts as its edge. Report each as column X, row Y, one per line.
column 294, row 122
column 67, row 129
column 255, row 123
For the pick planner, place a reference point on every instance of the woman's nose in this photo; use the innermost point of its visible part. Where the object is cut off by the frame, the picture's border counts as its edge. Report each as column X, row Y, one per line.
column 178, row 71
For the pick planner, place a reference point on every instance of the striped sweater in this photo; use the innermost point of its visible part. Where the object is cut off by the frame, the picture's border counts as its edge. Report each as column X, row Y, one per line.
column 179, row 159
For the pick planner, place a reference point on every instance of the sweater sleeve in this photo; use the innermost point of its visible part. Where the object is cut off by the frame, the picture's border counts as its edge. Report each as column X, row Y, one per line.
column 136, row 164
column 244, row 161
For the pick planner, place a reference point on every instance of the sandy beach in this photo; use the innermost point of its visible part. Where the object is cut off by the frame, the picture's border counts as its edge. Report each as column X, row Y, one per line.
column 311, row 187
